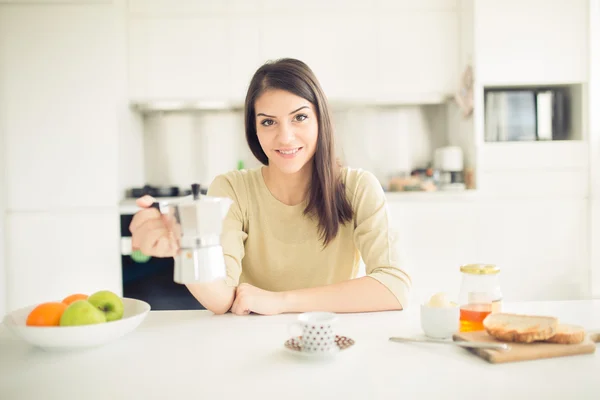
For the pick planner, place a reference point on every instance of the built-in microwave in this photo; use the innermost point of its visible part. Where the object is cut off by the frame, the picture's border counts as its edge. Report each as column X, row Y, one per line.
column 518, row 114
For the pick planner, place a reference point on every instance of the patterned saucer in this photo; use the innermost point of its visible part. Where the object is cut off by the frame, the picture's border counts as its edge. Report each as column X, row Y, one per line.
column 294, row 345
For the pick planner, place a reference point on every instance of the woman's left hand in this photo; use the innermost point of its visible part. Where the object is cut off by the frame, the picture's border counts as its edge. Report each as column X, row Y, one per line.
column 249, row 299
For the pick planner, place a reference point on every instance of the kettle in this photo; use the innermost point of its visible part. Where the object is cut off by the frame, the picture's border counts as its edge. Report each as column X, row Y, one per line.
column 197, row 223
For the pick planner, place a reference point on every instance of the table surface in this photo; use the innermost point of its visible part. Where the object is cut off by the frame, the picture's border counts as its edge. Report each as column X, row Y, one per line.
column 195, row 354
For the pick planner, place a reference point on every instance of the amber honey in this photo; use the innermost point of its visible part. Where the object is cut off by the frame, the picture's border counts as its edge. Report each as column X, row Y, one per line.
column 472, row 316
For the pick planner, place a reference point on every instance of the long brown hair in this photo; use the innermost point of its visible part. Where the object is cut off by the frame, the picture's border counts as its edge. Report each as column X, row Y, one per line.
column 327, row 198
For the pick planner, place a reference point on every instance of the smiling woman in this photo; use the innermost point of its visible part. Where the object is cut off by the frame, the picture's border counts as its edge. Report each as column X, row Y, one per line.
column 299, row 224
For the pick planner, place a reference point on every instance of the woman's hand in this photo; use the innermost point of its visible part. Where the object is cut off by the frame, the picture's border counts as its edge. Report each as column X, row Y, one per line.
column 249, row 299
column 150, row 232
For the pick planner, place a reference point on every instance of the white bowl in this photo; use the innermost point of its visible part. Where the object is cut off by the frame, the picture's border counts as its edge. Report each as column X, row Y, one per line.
column 440, row 322
column 77, row 337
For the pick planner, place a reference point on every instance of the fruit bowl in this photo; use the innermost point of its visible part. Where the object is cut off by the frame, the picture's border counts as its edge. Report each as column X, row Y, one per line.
column 77, row 337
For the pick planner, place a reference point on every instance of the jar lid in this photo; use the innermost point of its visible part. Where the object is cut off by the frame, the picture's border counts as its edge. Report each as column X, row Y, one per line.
column 479, row 269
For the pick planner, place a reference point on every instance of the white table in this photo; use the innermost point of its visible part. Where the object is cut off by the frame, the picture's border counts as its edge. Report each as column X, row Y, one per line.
column 194, row 354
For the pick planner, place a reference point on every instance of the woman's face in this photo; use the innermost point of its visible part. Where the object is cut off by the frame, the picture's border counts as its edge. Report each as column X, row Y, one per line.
column 287, row 129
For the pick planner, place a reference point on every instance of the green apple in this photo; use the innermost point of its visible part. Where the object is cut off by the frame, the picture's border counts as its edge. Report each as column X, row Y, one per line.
column 82, row 312
column 109, row 303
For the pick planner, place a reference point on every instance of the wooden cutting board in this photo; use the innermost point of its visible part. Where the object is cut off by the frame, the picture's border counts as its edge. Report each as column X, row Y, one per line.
column 527, row 351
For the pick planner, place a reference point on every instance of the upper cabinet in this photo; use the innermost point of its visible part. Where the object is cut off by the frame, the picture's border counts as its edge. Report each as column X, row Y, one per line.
column 528, row 42
column 199, row 50
column 382, row 51
column 340, row 53
column 418, row 51
column 58, row 85
column 178, row 57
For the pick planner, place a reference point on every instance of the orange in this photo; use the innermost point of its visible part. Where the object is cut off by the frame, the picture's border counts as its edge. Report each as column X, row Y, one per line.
column 74, row 297
column 46, row 314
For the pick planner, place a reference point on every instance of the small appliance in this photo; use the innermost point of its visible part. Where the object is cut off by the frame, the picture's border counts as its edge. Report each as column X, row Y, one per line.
column 449, row 162
column 197, row 223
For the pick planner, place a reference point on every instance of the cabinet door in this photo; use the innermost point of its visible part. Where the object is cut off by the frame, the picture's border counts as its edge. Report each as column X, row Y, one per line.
column 244, row 52
column 3, row 285
column 179, row 58
column 594, row 249
column 340, row 52
column 532, row 41
column 435, row 238
column 540, row 244
column 57, row 105
column 52, row 255
column 417, row 54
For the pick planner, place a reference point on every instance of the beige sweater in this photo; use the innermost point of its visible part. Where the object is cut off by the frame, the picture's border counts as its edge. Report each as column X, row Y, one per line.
column 275, row 247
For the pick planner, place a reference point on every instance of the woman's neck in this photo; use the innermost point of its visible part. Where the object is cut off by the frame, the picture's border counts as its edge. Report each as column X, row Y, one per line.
column 290, row 189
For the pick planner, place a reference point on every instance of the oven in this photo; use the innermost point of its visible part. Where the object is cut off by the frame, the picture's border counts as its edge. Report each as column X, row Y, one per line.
column 150, row 278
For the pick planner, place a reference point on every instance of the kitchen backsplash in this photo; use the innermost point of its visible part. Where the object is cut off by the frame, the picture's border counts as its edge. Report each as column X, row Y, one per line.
column 184, row 147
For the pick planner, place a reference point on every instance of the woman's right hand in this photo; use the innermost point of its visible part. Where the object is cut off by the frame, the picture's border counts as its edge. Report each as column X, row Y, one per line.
column 150, row 231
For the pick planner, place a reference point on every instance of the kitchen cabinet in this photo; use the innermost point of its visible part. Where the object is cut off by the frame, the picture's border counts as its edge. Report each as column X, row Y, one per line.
column 179, row 58
column 50, row 255
column 532, row 41
column 210, row 52
column 59, row 85
column 58, row 106
column 540, row 246
column 197, row 52
column 594, row 148
column 559, row 168
column 417, row 54
column 434, row 239
column 339, row 53
column 244, row 54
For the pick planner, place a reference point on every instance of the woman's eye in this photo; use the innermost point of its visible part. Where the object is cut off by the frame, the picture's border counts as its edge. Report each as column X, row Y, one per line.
column 301, row 117
column 267, row 122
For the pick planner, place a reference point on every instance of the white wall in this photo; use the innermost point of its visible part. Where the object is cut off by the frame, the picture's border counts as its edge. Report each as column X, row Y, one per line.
column 181, row 148
column 460, row 128
column 390, row 141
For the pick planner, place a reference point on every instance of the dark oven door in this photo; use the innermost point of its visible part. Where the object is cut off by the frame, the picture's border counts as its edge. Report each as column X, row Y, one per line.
column 151, row 279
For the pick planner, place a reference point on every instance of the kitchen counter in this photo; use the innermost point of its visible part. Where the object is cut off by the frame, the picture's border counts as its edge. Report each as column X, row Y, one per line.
column 195, row 354
column 128, row 206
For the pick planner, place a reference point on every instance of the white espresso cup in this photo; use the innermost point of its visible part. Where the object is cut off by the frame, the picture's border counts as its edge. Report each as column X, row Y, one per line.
column 316, row 331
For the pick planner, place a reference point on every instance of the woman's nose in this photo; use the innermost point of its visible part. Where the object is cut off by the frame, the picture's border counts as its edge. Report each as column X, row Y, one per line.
column 286, row 133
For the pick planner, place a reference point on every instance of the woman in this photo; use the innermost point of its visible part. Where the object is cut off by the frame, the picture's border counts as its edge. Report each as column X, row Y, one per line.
column 293, row 238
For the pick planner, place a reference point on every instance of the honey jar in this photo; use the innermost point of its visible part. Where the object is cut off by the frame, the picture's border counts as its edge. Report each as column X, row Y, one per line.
column 480, row 295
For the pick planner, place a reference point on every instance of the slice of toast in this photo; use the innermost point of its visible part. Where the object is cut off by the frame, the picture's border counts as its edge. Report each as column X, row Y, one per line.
column 568, row 334
column 520, row 328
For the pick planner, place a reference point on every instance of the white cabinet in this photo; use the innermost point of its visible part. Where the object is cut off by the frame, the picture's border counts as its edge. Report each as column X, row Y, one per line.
column 59, row 82
column 341, row 55
column 360, row 51
column 594, row 127
column 244, row 54
column 435, row 238
column 540, row 245
column 533, row 41
column 57, row 105
column 558, row 168
column 417, row 54
column 52, row 255
column 179, row 57
column 207, row 55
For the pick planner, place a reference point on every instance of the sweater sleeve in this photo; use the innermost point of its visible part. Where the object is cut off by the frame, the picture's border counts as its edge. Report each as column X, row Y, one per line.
column 375, row 238
column 234, row 232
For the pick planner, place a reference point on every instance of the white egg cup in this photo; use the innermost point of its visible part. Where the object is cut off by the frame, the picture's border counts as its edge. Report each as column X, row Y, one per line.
column 440, row 322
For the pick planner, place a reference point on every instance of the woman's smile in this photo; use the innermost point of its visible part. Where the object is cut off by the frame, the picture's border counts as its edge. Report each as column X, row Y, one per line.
column 289, row 152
